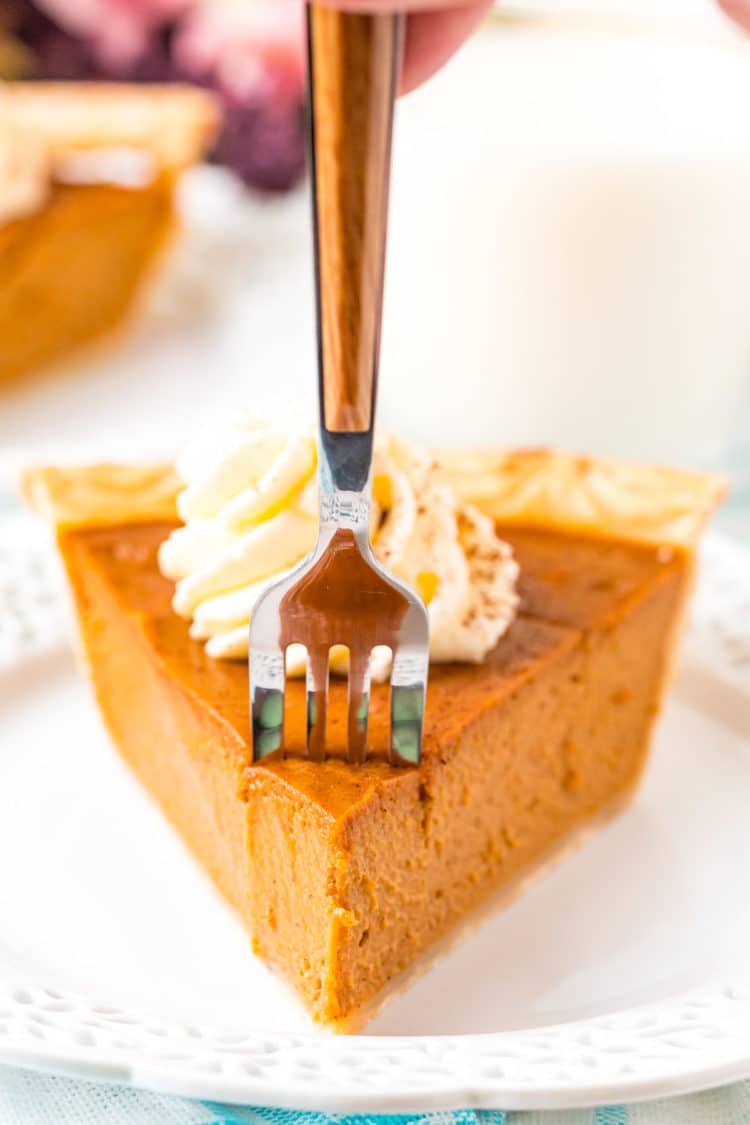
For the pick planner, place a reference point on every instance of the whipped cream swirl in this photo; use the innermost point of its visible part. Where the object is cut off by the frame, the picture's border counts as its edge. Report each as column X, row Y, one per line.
column 249, row 508
column 24, row 172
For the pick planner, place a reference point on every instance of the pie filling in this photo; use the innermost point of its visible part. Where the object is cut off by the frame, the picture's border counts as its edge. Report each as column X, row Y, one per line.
column 345, row 877
column 43, row 259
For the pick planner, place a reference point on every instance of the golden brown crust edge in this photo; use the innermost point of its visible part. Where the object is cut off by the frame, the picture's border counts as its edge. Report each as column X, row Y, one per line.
column 101, row 495
column 543, row 488
column 639, row 503
column 174, row 124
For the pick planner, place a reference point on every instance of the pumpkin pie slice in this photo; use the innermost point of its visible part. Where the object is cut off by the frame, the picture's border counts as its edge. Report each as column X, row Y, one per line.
column 350, row 878
column 87, row 179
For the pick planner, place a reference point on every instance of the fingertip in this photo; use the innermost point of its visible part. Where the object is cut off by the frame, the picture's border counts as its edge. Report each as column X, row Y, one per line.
column 738, row 10
column 432, row 37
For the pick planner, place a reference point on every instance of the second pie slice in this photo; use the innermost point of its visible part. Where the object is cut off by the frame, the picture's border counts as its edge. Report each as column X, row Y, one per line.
column 88, row 174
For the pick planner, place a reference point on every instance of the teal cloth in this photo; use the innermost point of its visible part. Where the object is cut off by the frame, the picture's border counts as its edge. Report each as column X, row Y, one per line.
column 27, row 1098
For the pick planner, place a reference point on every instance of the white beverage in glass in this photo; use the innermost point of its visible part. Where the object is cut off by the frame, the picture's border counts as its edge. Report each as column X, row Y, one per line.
column 569, row 252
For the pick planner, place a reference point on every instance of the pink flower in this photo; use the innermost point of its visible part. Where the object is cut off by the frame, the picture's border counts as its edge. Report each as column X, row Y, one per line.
column 119, row 29
column 249, row 48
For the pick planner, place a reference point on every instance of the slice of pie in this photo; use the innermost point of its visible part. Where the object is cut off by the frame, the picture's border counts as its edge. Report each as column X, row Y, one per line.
column 348, row 878
column 87, row 179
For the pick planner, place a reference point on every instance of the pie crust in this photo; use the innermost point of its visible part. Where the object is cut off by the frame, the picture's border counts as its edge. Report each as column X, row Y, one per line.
column 43, row 123
column 545, row 488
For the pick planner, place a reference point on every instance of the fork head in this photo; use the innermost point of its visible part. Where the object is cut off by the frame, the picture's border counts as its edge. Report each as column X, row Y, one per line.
column 340, row 596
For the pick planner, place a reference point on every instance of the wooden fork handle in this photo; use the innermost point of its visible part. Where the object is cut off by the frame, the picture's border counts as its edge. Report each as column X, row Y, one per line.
column 354, row 63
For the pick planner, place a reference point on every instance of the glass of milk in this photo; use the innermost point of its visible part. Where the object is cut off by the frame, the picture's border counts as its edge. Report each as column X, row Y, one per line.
column 569, row 251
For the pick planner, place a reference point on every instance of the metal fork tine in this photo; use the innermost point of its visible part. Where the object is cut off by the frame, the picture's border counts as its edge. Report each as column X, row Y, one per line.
column 408, row 695
column 359, row 704
column 318, row 661
column 267, row 680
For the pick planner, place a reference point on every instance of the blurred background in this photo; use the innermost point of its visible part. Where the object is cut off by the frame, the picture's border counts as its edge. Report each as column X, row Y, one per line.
column 569, row 253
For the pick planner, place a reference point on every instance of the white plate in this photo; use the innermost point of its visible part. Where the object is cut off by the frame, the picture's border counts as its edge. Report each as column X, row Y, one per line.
column 622, row 974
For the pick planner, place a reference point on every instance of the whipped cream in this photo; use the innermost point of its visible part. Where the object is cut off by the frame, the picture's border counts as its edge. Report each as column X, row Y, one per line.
column 249, row 506
column 119, row 165
column 24, row 173
column 28, row 168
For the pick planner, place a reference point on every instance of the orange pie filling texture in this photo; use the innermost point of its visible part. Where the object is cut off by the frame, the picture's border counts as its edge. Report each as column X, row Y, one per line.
column 346, row 877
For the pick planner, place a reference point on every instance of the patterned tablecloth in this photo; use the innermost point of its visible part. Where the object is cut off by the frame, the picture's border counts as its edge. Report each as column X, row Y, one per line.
column 31, row 1099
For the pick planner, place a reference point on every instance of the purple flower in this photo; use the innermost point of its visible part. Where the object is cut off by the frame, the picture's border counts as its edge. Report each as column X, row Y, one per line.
column 119, row 30
column 252, row 49
column 249, row 51
column 252, row 53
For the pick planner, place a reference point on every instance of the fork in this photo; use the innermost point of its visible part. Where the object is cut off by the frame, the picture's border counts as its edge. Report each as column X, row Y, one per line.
column 340, row 595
